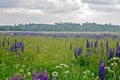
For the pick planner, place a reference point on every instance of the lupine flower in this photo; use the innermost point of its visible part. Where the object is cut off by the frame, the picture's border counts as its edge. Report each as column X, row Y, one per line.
column 118, row 51
column 111, row 53
column 88, row 44
column 101, row 70
column 79, row 51
column 45, row 76
column 34, row 75
column 41, row 74
column 21, row 77
column 14, row 77
column 95, row 44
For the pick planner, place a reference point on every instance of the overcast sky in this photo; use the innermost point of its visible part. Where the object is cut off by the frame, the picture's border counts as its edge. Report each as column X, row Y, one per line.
column 50, row 11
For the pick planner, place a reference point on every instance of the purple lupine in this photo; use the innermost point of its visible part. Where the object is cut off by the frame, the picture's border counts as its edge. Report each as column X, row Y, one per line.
column 111, row 53
column 107, row 47
column 18, row 45
column 41, row 75
column 118, row 51
column 101, row 70
column 34, row 75
column 75, row 52
column 88, row 44
column 14, row 77
column 95, row 46
column 45, row 76
column 79, row 51
column 21, row 77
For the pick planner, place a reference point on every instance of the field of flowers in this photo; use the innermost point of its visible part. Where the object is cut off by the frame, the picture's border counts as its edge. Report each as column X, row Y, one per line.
column 59, row 57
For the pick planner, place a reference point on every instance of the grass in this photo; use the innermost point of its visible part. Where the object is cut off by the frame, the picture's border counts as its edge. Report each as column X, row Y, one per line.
column 53, row 52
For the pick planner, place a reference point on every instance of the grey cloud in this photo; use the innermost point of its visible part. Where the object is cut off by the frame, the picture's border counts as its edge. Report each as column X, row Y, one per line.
column 9, row 3
column 101, row 2
column 50, row 6
column 105, row 8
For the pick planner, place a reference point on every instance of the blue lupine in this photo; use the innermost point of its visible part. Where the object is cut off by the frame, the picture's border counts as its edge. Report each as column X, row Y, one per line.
column 79, row 51
column 45, row 76
column 21, row 77
column 101, row 70
column 88, row 44
column 95, row 45
column 118, row 51
column 34, row 75
column 111, row 53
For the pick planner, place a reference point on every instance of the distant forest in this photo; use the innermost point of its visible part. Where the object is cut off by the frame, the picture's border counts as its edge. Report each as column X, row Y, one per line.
column 70, row 27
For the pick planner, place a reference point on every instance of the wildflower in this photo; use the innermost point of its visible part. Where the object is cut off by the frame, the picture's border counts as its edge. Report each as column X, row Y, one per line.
column 58, row 67
column 54, row 73
column 79, row 51
column 66, row 72
column 101, row 70
column 66, row 66
column 118, row 51
column 29, row 73
column 34, row 75
column 111, row 53
column 21, row 77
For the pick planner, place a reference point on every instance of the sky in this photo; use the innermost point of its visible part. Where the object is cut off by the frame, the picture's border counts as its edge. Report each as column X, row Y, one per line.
column 51, row 11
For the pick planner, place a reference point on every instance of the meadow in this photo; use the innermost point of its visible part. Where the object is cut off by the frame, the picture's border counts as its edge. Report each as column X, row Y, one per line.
column 55, row 57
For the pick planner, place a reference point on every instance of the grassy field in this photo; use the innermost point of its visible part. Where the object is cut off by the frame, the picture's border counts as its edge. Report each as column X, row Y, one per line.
column 56, row 58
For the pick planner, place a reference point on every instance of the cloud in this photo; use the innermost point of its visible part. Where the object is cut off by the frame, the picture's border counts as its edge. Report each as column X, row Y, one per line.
column 50, row 11
column 101, row 2
column 9, row 3
column 103, row 5
column 51, row 6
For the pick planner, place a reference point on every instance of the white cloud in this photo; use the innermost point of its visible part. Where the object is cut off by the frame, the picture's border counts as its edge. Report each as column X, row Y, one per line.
column 50, row 11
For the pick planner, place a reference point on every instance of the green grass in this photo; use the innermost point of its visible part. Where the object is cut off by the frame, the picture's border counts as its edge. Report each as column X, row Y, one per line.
column 53, row 52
